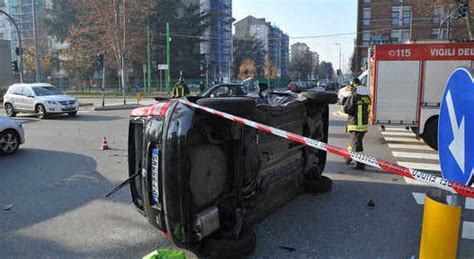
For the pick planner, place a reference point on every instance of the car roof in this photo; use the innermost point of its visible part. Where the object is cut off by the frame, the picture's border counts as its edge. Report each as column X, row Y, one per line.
column 32, row 85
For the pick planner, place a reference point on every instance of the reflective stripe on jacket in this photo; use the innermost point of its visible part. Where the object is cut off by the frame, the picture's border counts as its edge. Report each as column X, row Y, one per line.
column 357, row 107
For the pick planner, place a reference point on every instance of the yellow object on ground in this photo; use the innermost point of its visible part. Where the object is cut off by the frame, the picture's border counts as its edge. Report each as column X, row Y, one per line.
column 165, row 254
column 440, row 230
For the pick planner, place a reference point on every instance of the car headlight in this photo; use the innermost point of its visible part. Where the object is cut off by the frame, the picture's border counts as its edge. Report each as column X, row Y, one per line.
column 52, row 102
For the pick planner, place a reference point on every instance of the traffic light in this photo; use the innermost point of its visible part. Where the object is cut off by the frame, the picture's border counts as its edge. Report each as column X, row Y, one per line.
column 100, row 60
column 18, row 51
column 15, row 66
column 463, row 8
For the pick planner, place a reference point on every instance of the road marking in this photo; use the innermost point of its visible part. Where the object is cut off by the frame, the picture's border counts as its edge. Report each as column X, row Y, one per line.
column 419, row 197
column 398, row 134
column 415, row 155
column 467, row 230
column 396, row 129
column 396, row 139
column 421, row 166
column 408, row 146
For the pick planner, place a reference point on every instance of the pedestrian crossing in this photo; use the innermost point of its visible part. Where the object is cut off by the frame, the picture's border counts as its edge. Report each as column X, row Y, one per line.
column 467, row 226
column 411, row 152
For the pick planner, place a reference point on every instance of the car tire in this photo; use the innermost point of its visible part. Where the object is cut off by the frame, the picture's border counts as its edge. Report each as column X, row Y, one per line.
column 9, row 142
column 234, row 248
column 321, row 185
column 72, row 114
column 9, row 110
column 430, row 133
column 321, row 97
column 240, row 106
column 40, row 111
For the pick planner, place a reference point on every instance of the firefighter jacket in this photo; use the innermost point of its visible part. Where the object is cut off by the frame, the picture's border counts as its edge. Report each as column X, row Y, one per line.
column 357, row 107
column 180, row 90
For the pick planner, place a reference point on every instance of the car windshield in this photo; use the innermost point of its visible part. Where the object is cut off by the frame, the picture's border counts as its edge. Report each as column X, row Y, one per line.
column 47, row 90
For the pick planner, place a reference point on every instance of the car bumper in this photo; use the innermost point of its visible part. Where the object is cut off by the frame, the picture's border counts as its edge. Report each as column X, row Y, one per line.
column 61, row 108
column 21, row 133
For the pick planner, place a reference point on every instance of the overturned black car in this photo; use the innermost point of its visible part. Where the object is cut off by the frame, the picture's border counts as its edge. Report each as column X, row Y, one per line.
column 204, row 180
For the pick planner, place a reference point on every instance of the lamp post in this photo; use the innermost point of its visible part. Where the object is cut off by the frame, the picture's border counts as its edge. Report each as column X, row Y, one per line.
column 35, row 36
column 340, row 59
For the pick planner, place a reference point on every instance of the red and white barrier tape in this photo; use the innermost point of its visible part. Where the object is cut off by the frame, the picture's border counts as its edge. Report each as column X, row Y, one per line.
column 420, row 176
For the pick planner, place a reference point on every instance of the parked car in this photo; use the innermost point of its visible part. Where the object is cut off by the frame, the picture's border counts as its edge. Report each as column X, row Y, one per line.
column 344, row 92
column 299, row 86
column 40, row 98
column 204, row 180
column 12, row 135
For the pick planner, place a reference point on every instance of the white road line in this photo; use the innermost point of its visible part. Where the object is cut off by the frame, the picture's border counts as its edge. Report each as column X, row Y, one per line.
column 421, row 166
column 415, row 182
column 407, row 140
column 396, row 129
column 419, row 197
column 408, row 146
column 469, row 204
column 398, row 134
column 467, row 230
column 415, row 155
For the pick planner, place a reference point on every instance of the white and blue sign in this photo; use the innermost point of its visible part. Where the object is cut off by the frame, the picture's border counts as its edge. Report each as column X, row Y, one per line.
column 456, row 128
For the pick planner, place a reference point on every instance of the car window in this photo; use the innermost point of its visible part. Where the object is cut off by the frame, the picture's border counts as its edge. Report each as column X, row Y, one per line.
column 27, row 91
column 18, row 90
column 47, row 90
column 363, row 80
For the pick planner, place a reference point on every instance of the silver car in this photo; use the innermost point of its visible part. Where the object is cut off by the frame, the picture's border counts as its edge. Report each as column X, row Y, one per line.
column 12, row 135
column 40, row 98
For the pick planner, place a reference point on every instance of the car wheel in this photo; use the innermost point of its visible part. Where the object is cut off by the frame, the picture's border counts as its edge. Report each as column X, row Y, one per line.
column 9, row 142
column 72, row 114
column 9, row 110
column 234, row 248
column 321, row 185
column 40, row 111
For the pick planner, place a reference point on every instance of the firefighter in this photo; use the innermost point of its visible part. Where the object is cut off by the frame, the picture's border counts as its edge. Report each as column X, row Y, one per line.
column 357, row 107
column 180, row 89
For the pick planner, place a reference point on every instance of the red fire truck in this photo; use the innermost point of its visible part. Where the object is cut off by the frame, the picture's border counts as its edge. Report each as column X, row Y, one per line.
column 407, row 83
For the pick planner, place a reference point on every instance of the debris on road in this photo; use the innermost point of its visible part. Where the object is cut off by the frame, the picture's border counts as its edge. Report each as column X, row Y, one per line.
column 371, row 204
column 8, row 207
column 105, row 145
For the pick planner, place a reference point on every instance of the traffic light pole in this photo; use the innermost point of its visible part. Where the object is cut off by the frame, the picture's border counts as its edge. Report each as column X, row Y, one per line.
column 168, row 76
column 20, row 65
column 148, row 52
column 103, row 80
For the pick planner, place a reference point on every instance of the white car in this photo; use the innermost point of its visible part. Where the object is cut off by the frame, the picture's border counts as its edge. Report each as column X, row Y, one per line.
column 346, row 92
column 40, row 98
column 12, row 135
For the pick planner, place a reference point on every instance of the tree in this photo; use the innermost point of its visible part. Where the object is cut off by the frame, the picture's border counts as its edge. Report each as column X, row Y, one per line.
column 187, row 26
column 301, row 66
column 60, row 18
column 326, row 70
column 248, row 53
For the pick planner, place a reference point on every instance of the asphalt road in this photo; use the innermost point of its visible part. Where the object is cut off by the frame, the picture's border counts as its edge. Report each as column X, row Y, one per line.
column 57, row 180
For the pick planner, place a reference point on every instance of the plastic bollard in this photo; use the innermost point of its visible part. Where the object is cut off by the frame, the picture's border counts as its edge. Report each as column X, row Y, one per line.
column 440, row 229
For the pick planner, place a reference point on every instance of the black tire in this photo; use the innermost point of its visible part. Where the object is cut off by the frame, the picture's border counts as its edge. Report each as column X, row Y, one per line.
column 240, row 106
column 321, row 185
column 430, row 134
column 9, row 142
column 223, row 247
column 40, row 111
column 321, row 97
column 9, row 110
column 72, row 114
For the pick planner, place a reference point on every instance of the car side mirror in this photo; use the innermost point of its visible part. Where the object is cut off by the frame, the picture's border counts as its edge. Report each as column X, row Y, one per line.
column 262, row 87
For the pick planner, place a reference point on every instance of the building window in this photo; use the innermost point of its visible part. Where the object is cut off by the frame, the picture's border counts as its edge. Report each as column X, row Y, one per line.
column 435, row 33
column 406, row 17
column 395, row 17
column 363, row 63
column 405, row 35
column 366, row 17
column 365, row 38
column 396, row 1
column 435, row 19
column 366, row 1
column 395, row 36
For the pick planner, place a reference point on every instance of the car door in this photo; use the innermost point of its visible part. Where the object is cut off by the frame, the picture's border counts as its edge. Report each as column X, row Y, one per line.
column 16, row 97
column 28, row 99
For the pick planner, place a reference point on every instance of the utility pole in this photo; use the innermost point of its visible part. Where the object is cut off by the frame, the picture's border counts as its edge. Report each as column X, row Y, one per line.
column 168, row 76
column 35, row 36
column 103, row 80
column 340, row 58
column 20, row 54
column 148, row 52
column 124, row 66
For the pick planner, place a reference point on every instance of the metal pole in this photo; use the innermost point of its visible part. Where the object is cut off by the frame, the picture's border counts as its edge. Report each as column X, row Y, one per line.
column 168, row 76
column 123, row 53
column 35, row 36
column 103, row 82
column 20, row 65
column 148, row 51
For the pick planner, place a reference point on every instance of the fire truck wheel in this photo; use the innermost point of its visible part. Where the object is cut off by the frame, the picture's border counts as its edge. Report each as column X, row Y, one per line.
column 430, row 134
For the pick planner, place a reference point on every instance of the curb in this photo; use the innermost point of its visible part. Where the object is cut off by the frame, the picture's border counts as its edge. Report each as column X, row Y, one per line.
column 85, row 104
column 117, row 107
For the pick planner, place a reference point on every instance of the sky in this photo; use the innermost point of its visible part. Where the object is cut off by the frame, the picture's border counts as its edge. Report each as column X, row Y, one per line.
column 299, row 18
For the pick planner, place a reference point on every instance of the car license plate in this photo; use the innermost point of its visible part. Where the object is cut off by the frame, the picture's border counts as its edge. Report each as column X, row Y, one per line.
column 155, row 165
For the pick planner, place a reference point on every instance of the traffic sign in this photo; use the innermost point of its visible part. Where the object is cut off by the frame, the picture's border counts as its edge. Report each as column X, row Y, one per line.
column 456, row 128
column 162, row 66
